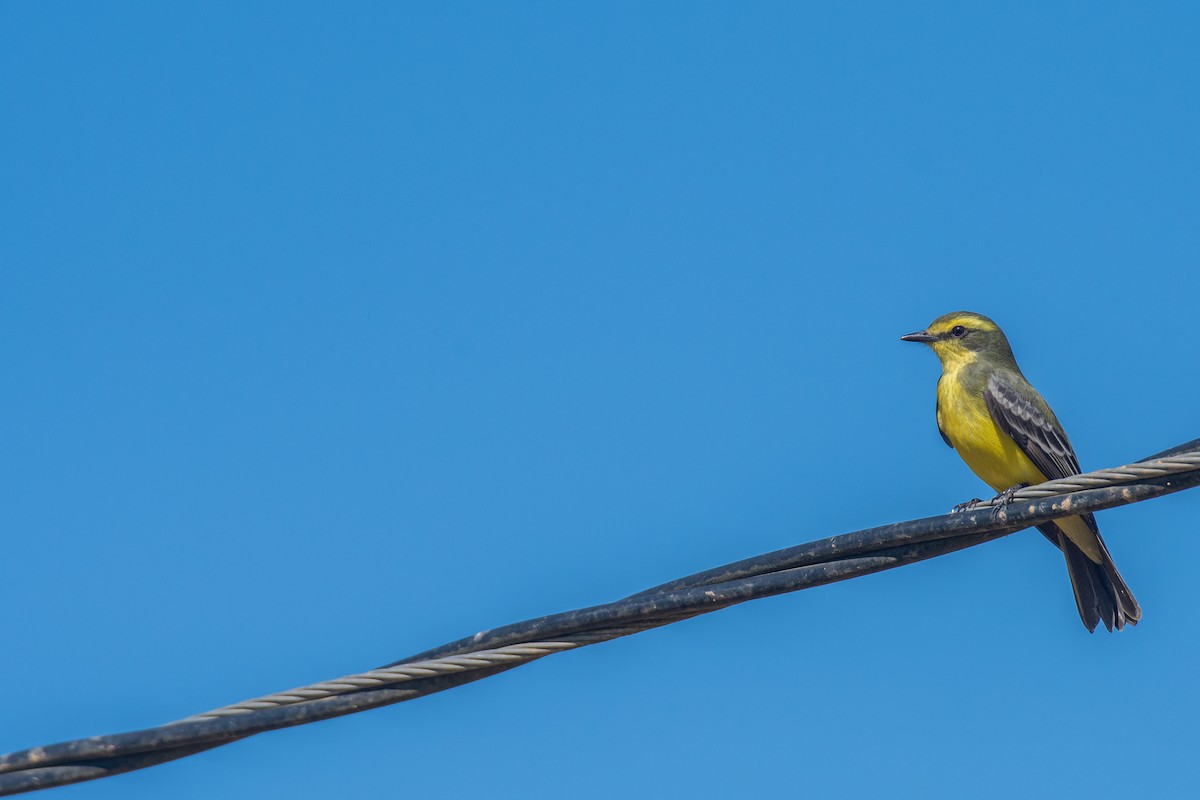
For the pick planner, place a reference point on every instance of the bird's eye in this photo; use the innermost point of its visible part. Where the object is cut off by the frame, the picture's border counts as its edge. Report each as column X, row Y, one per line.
column 958, row 331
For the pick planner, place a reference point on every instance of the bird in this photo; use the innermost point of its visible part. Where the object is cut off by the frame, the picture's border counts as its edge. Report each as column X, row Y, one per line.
column 1008, row 435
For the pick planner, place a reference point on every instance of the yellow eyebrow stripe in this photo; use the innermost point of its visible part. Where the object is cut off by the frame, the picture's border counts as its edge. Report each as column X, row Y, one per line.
column 966, row 320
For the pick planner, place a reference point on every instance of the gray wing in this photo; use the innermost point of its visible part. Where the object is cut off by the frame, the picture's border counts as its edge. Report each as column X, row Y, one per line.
column 1035, row 431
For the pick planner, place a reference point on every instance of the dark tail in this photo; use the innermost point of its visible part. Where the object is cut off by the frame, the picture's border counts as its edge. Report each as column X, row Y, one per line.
column 1100, row 592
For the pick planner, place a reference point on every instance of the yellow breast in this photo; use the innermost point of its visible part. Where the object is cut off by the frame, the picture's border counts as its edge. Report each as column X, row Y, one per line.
column 989, row 452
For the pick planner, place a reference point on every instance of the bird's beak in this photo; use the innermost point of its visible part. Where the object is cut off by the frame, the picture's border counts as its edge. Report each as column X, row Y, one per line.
column 924, row 337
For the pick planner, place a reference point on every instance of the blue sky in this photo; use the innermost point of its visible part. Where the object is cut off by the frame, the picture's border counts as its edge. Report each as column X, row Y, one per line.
column 330, row 335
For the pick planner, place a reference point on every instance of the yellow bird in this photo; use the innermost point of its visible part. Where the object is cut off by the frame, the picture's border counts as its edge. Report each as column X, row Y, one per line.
column 1010, row 438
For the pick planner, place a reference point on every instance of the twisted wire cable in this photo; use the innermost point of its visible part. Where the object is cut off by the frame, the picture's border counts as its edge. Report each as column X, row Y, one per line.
column 507, row 656
column 490, row 652
column 1150, row 468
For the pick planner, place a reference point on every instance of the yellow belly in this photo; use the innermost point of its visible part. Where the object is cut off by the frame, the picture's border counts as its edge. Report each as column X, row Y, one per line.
column 989, row 452
column 993, row 455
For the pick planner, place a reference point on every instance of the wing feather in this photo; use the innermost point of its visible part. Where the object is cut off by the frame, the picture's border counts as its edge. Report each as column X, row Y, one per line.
column 1036, row 432
column 1100, row 592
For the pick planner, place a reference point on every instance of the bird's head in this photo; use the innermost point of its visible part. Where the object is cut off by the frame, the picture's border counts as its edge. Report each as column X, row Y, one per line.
column 961, row 337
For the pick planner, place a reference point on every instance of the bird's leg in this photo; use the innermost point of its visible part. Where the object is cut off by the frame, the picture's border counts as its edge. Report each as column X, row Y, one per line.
column 967, row 506
column 1005, row 497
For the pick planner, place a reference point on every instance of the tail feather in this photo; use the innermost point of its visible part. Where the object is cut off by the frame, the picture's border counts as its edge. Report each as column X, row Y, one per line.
column 1101, row 594
column 1126, row 602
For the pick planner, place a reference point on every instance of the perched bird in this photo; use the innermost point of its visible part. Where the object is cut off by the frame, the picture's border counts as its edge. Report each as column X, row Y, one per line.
column 1010, row 438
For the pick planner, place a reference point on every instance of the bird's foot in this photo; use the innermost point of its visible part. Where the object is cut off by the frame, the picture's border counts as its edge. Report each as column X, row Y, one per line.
column 1004, row 498
column 967, row 506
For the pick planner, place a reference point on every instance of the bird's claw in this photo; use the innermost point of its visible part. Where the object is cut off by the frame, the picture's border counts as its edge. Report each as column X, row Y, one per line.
column 1004, row 498
column 967, row 506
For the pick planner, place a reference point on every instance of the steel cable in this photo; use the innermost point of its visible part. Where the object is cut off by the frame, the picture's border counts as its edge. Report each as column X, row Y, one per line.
column 491, row 652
